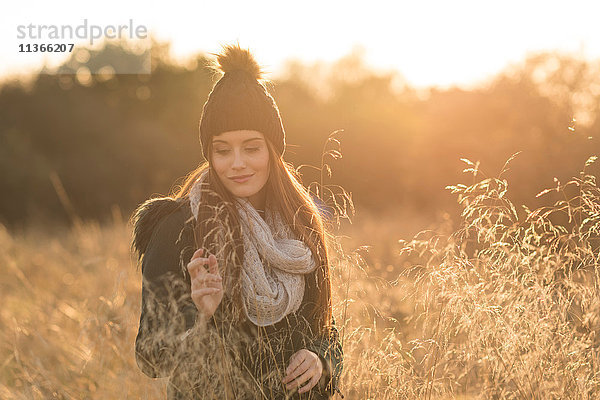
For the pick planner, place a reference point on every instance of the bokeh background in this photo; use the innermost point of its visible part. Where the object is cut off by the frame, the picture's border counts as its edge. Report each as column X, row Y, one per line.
column 415, row 93
column 110, row 140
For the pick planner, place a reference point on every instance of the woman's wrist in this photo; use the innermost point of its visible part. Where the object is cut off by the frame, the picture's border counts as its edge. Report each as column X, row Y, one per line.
column 202, row 321
column 200, row 325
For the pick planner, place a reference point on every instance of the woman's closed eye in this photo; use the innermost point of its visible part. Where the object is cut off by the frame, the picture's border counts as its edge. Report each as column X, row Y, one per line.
column 223, row 152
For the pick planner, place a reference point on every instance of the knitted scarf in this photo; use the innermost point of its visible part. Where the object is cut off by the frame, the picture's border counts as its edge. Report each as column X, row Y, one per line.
column 275, row 262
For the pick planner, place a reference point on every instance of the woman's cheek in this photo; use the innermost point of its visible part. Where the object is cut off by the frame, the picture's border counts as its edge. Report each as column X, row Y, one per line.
column 264, row 159
column 220, row 164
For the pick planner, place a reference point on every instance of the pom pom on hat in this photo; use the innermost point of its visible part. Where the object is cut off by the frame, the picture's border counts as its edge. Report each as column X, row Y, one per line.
column 234, row 58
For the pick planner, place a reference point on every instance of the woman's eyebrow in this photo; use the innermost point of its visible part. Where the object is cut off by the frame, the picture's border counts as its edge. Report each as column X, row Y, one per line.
column 247, row 140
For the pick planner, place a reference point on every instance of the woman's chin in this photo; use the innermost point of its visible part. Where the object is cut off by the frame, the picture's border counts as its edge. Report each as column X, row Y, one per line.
column 243, row 193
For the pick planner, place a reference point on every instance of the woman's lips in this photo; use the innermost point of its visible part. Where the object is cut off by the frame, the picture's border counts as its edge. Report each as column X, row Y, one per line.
column 241, row 178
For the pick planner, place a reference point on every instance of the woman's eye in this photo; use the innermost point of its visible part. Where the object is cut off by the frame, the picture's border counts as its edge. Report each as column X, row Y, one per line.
column 222, row 151
column 252, row 149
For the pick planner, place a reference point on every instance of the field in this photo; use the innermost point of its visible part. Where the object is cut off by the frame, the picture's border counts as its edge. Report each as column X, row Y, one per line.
column 502, row 304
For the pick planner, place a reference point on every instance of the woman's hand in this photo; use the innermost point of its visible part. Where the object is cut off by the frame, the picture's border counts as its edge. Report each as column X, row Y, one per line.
column 304, row 366
column 207, row 286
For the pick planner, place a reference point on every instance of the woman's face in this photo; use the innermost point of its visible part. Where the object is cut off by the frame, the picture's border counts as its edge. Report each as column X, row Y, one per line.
column 241, row 161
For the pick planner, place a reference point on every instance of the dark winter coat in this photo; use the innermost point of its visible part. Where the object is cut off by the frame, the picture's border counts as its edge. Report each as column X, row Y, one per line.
column 218, row 359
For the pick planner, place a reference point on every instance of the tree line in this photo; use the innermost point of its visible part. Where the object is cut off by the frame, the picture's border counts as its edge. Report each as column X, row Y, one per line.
column 85, row 139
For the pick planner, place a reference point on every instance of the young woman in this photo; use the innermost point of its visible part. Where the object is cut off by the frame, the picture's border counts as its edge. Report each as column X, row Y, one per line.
column 236, row 289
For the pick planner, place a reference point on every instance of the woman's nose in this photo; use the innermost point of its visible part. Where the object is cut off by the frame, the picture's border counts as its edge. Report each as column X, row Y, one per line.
column 238, row 160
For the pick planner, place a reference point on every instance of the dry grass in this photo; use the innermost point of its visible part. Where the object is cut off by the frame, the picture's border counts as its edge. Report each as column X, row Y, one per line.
column 505, row 306
column 68, row 323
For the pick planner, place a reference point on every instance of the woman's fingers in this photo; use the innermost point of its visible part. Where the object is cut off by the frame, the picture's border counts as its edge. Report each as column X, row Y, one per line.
column 295, row 360
column 305, row 367
column 196, row 266
column 298, row 366
column 208, row 279
column 198, row 253
column 197, row 263
column 213, row 266
column 308, row 372
column 313, row 381
column 196, row 294
column 206, row 285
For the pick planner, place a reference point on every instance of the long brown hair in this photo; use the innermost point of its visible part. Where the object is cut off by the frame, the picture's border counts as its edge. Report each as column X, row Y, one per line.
column 298, row 210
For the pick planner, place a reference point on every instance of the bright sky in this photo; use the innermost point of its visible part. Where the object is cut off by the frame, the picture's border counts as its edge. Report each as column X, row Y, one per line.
column 429, row 42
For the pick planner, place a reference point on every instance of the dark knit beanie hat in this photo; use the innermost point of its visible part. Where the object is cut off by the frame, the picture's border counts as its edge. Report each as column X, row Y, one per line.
column 239, row 101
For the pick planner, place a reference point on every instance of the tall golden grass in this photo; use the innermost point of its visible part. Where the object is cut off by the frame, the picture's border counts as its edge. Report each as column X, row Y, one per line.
column 504, row 306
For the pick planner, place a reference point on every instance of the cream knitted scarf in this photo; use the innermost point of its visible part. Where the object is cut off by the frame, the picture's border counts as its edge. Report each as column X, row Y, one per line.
column 274, row 265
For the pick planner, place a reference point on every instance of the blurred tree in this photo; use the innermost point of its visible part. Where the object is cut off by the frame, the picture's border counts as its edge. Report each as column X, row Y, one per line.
column 116, row 138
